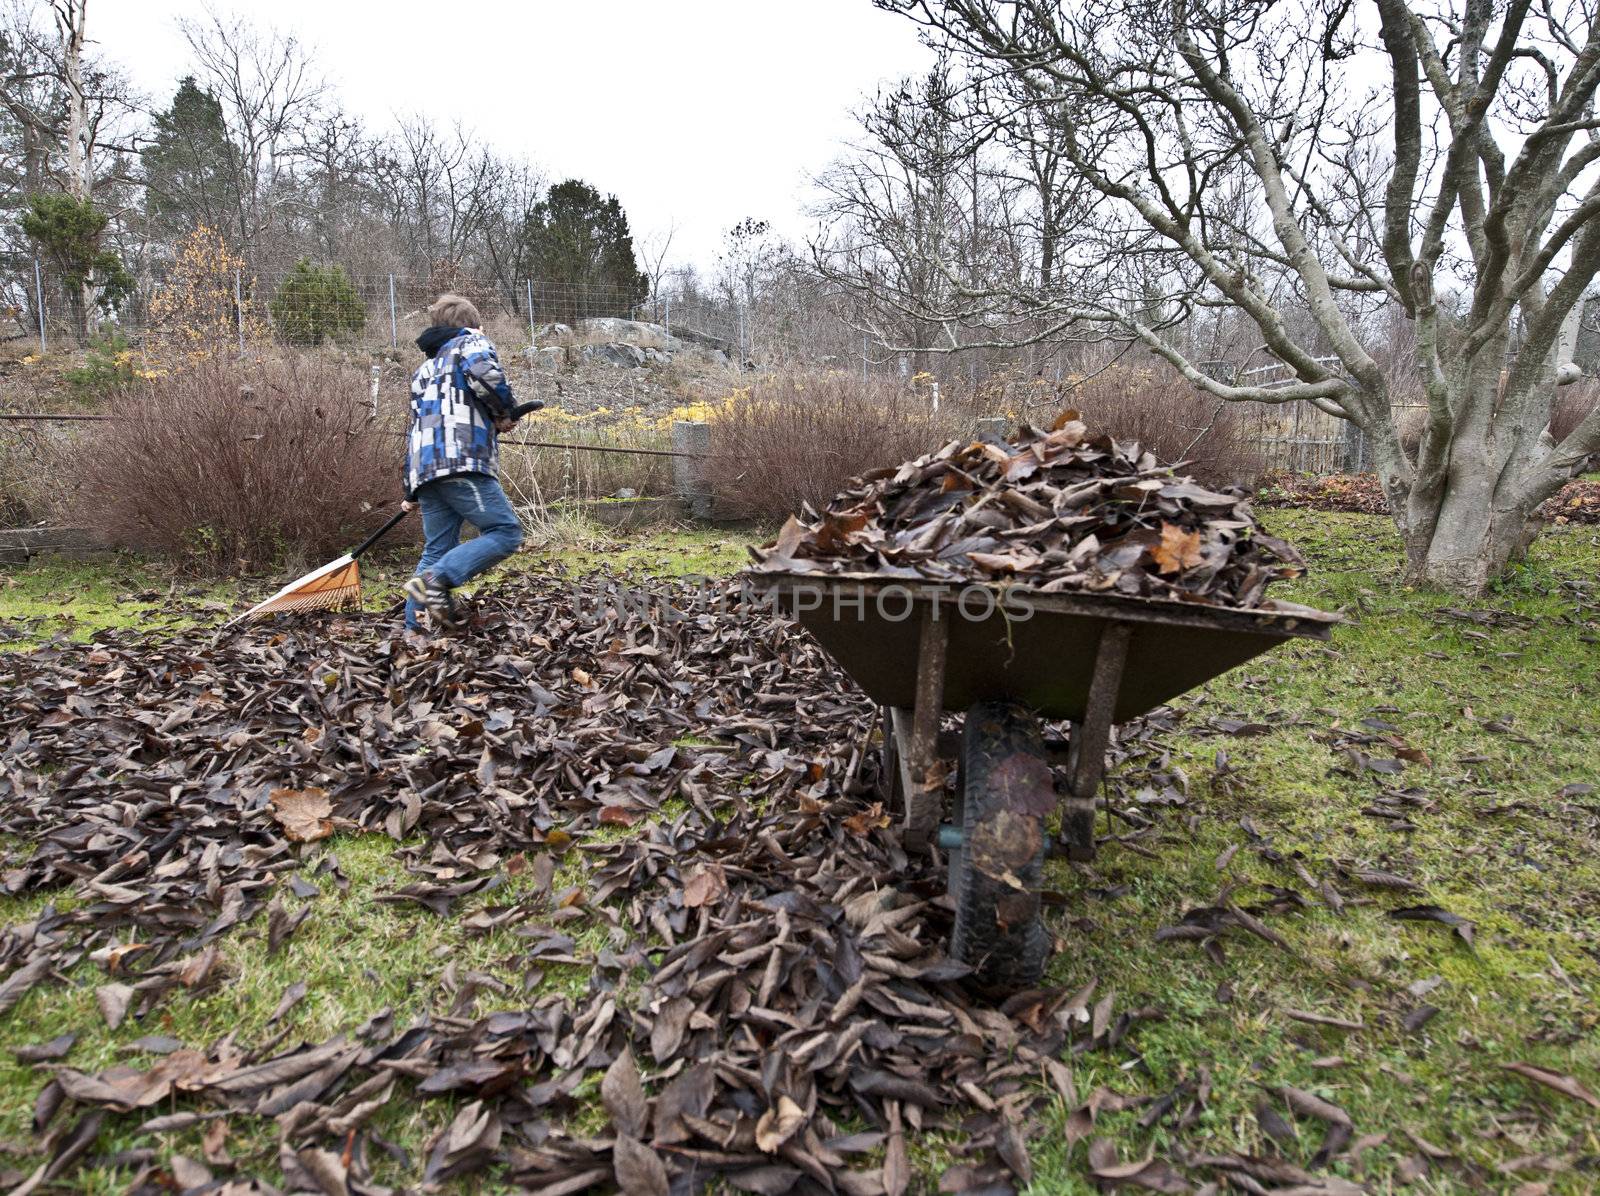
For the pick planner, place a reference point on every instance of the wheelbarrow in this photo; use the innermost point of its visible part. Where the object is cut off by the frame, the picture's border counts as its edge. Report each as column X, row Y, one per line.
column 1009, row 657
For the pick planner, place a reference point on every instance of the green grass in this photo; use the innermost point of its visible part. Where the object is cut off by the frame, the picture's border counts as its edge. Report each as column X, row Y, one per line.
column 1492, row 841
column 56, row 596
column 1526, row 875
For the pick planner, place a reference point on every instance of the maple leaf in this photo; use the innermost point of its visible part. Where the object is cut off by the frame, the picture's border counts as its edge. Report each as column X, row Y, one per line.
column 304, row 814
column 1178, row 550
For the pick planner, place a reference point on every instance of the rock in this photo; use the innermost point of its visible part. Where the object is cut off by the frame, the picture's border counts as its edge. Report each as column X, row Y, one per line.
column 552, row 332
column 630, row 332
column 626, row 492
column 614, row 353
column 552, row 358
column 716, row 357
column 703, row 339
column 658, row 356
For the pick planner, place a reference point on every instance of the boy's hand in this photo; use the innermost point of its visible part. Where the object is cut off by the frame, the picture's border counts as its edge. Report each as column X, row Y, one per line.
column 504, row 425
column 407, row 505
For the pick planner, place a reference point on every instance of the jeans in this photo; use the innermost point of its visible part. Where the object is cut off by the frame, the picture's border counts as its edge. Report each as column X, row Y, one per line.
column 446, row 504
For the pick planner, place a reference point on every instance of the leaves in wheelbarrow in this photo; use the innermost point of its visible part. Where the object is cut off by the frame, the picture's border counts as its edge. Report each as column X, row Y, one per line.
column 1060, row 510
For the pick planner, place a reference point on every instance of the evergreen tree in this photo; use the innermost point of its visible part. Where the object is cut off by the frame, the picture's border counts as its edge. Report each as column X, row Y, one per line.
column 582, row 254
column 315, row 303
column 189, row 166
column 69, row 233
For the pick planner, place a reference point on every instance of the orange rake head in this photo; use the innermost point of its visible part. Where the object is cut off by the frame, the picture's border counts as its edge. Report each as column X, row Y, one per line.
column 335, row 586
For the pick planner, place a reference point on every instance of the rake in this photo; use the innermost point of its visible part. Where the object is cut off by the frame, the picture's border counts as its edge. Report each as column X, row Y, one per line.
column 333, row 586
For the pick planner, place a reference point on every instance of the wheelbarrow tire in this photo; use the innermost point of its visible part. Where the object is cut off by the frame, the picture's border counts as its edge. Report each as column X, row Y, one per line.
column 1005, row 794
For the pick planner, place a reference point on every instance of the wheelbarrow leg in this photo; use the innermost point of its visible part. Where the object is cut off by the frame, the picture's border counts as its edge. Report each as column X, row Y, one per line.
column 1087, row 757
column 922, row 778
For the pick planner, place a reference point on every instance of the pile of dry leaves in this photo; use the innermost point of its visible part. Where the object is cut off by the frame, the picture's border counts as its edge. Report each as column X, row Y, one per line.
column 1058, row 510
column 1576, row 502
column 773, row 1009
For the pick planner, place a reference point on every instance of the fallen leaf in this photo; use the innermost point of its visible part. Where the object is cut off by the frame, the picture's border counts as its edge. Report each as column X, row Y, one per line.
column 779, row 1124
column 304, row 814
column 1556, row 1081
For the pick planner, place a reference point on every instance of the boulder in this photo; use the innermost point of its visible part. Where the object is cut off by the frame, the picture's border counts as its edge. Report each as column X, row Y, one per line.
column 552, row 332
column 614, row 353
column 629, row 332
column 703, row 339
column 658, row 356
column 552, row 358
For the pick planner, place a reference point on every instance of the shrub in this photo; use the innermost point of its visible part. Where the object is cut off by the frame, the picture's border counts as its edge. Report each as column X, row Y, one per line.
column 107, row 367
column 204, row 308
column 1219, row 440
column 29, row 456
column 228, row 466
column 795, row 439
column 317, row 303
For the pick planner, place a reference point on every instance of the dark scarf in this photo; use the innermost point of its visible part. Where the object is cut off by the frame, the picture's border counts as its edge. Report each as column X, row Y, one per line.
column 437, row 337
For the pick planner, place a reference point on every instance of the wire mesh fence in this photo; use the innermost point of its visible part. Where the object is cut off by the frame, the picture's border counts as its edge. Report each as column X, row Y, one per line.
column 374, row 311
column 381, row 314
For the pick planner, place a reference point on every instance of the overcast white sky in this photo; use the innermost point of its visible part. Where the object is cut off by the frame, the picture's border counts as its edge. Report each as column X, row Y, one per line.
column 694, row 112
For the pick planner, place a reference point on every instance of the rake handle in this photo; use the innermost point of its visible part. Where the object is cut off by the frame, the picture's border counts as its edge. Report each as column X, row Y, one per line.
column 379, row 534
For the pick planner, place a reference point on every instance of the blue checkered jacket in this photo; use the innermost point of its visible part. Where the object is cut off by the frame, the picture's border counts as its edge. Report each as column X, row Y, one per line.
column 455, row 396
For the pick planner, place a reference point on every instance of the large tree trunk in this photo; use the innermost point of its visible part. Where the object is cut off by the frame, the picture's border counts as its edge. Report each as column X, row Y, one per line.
column 1474, row 537
column 70, row 18
column 1462, row 534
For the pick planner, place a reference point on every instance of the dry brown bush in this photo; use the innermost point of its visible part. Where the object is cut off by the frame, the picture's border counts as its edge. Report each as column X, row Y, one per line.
column 533, row 475
column 29, row 476
column 1174, row 421
column 227, row 466
column 796, row 438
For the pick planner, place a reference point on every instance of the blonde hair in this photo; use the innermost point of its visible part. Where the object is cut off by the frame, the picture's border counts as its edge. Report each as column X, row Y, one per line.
column 453, row 311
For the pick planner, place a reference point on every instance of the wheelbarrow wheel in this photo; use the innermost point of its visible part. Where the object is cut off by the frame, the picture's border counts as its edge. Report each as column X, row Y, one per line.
column 995, row 875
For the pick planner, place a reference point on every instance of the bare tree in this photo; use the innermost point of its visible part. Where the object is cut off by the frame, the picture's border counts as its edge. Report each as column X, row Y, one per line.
column 270, row 92
column 653, row 250
column 892, row 239
column 1462, row 190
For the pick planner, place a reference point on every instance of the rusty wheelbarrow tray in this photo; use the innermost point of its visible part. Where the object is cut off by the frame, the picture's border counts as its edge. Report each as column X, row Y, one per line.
column 1008, row 656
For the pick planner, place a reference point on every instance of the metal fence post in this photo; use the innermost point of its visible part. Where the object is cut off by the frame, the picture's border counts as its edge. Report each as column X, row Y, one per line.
column 394, row 323
column 863, row 359
column 38, row 301
column 688, row 473
column 668, row 324
column 238, row 305
column 533, row 337
column 377, row 377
